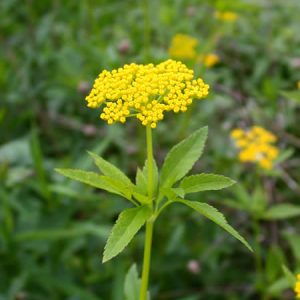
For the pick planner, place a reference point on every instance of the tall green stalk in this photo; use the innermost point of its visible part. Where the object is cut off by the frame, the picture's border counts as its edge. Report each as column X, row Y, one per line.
column 150, row 223
column 149, row 161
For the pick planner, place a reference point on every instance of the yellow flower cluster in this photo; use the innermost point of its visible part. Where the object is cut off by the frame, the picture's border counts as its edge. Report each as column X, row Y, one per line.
column 227, row 16
column 209, row 60
column 297, row 287
column 183, row 47
column 256, row 145
column 298, row 85
column 145, row 91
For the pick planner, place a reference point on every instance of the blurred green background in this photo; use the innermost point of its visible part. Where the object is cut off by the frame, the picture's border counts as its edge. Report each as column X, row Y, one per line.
column 53, row 230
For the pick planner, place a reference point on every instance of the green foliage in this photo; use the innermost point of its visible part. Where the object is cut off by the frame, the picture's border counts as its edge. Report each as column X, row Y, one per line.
column 289, row 275
column 141, row 182
column 182, row 157
column 51, row 229
column 93, row 179
column 132, row 284
column 205, row 182
column 282, row 211
column 155, row 176
column 274, row 261
column 292, row 95
column 214, row 215
column 294, row 243
column 178, row 162
column 126, row 227
column 141, row 189
column 110, row 170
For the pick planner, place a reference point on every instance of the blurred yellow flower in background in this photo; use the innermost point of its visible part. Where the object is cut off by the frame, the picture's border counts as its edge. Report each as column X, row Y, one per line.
column 298, row 85
column 256, row 145
column 145, row 91
column 183, row 47
column 227, row 16
column 209, row 60
column 297, row 287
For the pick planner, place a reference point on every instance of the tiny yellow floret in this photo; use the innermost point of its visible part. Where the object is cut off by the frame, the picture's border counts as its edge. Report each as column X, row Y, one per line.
column 226, row 16
column 183, row 47
column 297, row 287
column 209, row 60
column 145, row 92
column 256, row 145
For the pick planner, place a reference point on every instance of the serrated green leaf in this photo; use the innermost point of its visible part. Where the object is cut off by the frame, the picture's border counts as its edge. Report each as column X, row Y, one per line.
column 214, row 215
column 182, row 157
column 90, row 178
column 99, row 181
column 141, row 182
column 127, row 225
column 172, row 193
column 282, row 211
column 178, row 191
column 142, row 179
column 140, row 197
column 110, row 170
column 124, row 189
column 132, row 284
column 205, row 182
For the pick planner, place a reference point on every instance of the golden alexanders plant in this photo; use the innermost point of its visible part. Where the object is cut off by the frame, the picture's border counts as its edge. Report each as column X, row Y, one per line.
column 147, row 92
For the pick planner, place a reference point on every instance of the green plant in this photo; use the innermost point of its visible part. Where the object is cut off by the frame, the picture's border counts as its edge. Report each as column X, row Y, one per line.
column 153, row 190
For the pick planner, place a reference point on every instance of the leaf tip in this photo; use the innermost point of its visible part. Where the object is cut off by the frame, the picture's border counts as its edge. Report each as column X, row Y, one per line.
column 250, row 248
column 106, row 257
column 233, row 182
column 90, row 153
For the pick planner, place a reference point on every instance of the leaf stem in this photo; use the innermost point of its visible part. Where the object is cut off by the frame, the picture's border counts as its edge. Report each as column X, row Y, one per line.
column 162, row 208
column 150, row 222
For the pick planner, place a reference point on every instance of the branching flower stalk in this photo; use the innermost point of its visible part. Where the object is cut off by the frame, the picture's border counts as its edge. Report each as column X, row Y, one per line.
column 147, row 93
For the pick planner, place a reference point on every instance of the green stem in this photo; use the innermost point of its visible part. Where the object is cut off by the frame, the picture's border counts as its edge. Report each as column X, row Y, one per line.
column 158, row 211
column 149, row 161
column 149, row 224
column 185, row 122
column 147, row 260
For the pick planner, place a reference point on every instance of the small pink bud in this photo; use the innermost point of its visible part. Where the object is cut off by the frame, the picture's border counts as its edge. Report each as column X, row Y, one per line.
column 124, row 46
column 89, row 130
column 83, row 87
column 193, row 266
